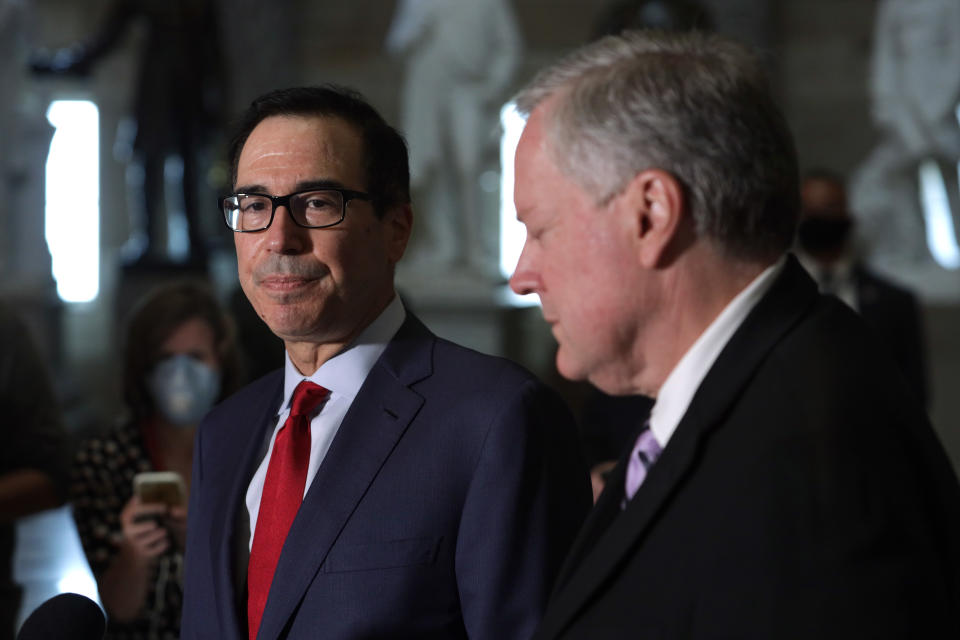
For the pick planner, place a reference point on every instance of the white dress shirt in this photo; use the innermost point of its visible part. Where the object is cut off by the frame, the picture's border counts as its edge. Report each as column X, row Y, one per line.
column 678, row 389
column 343, row 375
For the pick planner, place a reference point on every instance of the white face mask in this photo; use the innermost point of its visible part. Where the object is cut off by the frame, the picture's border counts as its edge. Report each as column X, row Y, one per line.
column 183, row 389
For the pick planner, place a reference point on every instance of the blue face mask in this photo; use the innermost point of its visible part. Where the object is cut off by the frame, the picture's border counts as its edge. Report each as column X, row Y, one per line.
column 183, row 389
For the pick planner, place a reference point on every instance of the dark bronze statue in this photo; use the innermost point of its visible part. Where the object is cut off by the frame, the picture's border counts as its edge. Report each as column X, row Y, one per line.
column 178, row 102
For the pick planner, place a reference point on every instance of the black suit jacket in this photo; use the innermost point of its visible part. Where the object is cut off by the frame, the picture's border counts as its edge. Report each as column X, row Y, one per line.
column 443, row 509
column 802, row 495
column 894, row 314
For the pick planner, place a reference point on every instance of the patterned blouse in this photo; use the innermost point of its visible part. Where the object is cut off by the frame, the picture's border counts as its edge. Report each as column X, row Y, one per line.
column 101, row 484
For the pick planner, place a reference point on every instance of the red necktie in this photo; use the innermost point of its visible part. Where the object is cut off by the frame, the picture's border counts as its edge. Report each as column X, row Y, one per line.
column 282, row 495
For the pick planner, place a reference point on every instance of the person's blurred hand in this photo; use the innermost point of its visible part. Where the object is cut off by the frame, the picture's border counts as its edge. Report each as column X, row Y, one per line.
column 144, row 537
column 177, row 522
column 598, row 477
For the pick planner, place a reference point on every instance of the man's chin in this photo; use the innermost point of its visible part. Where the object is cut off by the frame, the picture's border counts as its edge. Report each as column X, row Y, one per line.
column 568, row 367
column 615, row 383
column 288, row 321
column 601, row 375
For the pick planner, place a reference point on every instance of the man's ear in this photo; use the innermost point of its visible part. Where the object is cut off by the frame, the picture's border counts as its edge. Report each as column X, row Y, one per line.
column 655, row 205
column 399, row 224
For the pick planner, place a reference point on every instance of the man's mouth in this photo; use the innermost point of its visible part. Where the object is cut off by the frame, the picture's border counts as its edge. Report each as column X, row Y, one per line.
column 284, row 283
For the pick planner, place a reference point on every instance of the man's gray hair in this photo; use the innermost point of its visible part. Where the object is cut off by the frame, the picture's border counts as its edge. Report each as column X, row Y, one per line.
column 692, row 104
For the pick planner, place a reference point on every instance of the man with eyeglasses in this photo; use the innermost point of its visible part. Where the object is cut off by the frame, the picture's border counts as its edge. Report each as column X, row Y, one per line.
column 385, row 482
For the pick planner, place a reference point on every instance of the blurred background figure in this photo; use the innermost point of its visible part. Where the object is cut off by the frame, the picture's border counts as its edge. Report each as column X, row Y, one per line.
column 33, row 460
column 826, row 248
column 26, row 129
column 180, row 359
column 177, row 111
column 460, row 58
column 668, row 15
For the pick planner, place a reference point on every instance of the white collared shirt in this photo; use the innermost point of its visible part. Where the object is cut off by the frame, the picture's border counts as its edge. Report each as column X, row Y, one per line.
column 678, row 389
column 343, row 375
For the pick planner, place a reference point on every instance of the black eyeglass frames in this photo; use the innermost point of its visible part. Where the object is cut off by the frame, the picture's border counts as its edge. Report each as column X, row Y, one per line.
column 310, row 208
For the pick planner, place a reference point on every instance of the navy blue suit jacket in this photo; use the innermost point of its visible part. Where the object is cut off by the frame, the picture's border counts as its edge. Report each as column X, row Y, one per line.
column 443, row 508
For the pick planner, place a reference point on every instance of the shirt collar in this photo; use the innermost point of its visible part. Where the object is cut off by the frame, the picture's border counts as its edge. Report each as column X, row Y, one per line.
column 344, row 373
column 678, row 389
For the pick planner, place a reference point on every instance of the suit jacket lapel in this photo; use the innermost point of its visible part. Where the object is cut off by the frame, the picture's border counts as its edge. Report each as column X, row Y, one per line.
column 228, row 506
column 377, row 419
column 613, row 536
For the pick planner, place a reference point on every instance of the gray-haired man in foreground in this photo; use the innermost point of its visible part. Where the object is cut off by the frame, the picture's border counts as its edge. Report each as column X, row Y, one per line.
column 788, row 484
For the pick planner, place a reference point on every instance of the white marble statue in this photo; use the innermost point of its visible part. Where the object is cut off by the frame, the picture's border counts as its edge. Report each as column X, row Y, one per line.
column 915, row 90
column 460, row 57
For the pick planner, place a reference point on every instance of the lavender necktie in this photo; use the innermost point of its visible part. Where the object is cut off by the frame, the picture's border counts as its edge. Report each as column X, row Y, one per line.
column 644, row 454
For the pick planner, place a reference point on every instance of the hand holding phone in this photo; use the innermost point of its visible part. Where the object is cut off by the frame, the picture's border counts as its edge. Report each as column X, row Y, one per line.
column 161, row 498
column 144, row 536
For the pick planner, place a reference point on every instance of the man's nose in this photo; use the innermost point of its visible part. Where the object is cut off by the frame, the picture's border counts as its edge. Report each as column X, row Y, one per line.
column 284, row 235
column 525, row 279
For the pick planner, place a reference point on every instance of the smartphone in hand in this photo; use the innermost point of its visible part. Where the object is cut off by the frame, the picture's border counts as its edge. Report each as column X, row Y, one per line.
column 166, row 487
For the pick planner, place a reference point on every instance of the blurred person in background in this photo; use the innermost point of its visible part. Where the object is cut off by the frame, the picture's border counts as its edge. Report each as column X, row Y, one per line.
column 826, row 248
column 180, row 359
column 33, row 459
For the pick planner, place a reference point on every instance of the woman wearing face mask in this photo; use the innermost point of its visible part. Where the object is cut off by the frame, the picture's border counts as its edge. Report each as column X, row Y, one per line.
column 180, row 359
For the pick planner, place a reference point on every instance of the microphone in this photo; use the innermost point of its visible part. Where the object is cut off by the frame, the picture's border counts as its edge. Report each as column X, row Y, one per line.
column 68, row 615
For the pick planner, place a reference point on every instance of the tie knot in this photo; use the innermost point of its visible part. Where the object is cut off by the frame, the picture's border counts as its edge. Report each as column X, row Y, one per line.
column 306, row 397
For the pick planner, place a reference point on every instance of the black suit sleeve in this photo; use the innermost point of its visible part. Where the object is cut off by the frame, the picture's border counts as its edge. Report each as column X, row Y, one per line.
column 895, row 316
